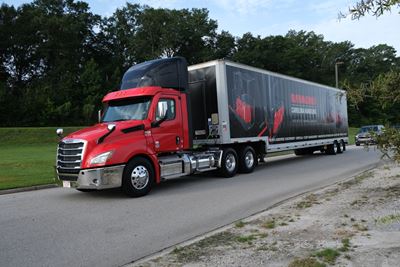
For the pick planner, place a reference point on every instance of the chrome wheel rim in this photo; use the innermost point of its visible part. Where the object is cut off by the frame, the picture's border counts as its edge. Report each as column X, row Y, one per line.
column 249, row 159
column 140, row 177
column 230, row 162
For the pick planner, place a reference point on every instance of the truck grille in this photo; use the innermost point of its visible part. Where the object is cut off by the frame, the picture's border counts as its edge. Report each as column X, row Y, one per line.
column 69, row 159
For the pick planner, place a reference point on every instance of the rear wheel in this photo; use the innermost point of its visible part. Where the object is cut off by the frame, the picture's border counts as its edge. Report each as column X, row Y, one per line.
column 247, row 159
column 330, row 149
column 343, row 145
column 229, row 163
column 338, row 148
column 138, row 177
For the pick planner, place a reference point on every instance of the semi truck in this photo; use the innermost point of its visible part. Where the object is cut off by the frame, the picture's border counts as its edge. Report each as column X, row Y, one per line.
column 169, row 120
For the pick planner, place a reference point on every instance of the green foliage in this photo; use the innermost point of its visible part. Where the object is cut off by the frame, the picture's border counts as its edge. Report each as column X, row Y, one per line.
column 62, row 59
column 373, row 7
column 389, row 143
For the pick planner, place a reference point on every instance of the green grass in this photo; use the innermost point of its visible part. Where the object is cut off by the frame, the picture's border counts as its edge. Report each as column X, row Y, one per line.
column 328, row 255
column 389, row 219
column 239, row 224
column 27, row 156
column 306, row 262
column 352, row 133
column 269, row 224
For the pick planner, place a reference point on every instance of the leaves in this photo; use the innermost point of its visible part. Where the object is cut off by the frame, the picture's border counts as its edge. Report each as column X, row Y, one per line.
column 58, row 59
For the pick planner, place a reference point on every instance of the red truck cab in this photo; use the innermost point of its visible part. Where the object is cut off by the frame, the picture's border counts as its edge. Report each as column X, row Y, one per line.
column 138, row 126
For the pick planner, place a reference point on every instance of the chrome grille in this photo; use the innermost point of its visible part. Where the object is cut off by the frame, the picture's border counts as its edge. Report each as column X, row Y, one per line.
column 69, row 159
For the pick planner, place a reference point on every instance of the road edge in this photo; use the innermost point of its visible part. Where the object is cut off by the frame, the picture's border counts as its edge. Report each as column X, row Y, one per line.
column 27, row 189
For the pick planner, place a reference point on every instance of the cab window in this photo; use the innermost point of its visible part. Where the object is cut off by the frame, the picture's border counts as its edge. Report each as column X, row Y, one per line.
column 165, row 107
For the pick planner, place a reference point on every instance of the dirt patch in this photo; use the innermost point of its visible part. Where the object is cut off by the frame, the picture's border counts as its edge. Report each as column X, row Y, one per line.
column 354, row 223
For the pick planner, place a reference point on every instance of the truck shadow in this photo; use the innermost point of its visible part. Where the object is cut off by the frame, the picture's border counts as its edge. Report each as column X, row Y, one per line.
column 210, row 178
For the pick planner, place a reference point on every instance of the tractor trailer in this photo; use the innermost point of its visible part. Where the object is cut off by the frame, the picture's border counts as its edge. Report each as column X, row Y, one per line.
column 169, row 120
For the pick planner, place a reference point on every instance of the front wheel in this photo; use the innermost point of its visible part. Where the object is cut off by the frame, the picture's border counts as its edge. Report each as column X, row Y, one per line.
column 229, row 164
column 138, row 177
column 247, row 159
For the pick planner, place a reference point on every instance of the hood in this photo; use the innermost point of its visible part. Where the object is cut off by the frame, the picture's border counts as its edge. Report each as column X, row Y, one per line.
column 364, row 134
column 94, row 132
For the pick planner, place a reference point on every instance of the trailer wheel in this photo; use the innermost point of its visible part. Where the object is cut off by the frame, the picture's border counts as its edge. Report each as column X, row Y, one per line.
column 247, row 159
column 138, row 177
column 229, row 162
column 343, row 145
column 338, row 148
column 330, row 149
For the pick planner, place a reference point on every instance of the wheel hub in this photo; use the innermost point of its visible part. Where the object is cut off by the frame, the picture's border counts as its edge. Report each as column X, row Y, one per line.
column 230, row 162
column 140, row 177
column 249, row 159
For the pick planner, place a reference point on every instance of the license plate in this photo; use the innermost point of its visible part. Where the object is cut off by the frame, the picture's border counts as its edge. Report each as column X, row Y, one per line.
column 67, row 184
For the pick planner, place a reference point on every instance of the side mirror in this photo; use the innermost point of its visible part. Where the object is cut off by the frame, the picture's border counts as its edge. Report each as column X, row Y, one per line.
column 59, row 132
column 157, row 123
column 111, row 127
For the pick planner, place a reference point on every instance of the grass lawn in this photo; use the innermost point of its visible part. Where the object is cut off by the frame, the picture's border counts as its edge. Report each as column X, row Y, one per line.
column 352, row 133
column 27, row 156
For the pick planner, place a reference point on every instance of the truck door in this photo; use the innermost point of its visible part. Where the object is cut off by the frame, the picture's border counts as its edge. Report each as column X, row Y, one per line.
column 169, row 133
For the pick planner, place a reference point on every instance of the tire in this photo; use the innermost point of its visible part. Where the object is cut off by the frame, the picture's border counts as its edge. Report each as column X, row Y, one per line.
column 229, row 163
column 338, row 148
column 343, row 145
column 330, row 149
column 86, row 190
column 299, row 152
column 247, row 159
column 138, row 177
column 357, row 144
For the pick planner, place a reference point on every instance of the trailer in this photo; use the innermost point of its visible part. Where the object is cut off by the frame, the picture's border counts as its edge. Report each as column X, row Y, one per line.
column 169, row 120
column 234, row 103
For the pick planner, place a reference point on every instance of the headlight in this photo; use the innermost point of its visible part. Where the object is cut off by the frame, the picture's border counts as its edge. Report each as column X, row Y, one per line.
column 101, row 158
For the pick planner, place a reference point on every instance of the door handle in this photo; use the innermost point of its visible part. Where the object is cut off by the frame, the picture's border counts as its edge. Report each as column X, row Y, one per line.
column 178, row 140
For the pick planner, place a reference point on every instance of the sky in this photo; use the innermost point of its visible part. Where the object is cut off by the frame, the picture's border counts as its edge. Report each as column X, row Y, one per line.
column 277, row 17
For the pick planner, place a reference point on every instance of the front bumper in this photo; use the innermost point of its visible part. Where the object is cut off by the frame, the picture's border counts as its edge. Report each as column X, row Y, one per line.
column 365, row 140
column 98, row 178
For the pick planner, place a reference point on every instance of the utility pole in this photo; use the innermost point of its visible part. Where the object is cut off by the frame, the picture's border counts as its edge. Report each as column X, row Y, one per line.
column 337, row 72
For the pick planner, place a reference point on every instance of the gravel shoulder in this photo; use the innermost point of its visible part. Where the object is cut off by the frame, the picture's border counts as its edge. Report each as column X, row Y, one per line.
column 352, row 223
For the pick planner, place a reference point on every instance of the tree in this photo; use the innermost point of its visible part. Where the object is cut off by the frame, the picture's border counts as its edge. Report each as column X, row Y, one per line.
column 374, row 7
column 384, row 88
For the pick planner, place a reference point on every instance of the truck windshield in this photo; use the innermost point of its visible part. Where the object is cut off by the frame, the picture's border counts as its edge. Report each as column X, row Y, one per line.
column 127, row 109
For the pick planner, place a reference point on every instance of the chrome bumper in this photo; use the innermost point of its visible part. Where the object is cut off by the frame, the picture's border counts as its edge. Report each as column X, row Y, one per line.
column 99, row 178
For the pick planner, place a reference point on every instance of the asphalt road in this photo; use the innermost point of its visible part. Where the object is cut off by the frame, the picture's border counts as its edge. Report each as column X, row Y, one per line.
column 64, row 227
